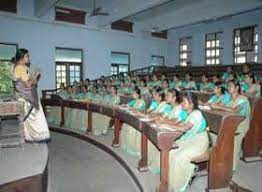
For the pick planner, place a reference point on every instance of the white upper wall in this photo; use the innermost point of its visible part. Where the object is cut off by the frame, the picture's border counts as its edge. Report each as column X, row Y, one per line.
column 199, row 31
column 41, row 36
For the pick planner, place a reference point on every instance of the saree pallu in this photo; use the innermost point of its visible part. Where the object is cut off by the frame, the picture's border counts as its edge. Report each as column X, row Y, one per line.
column 54, row 115
column 100, row 124
column 131, row 140
column 35, row 125
column 79, row 119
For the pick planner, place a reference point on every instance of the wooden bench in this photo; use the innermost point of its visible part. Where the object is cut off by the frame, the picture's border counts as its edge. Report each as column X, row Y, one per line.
column 252, row 143
column 220, row 160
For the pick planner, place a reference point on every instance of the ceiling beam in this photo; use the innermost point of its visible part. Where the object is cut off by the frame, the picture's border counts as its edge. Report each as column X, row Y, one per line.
column 43, row 6
column 206, row 10
column 120, row 9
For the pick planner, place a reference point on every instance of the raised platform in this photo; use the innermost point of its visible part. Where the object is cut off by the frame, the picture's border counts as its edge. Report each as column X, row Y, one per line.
column 24, row 167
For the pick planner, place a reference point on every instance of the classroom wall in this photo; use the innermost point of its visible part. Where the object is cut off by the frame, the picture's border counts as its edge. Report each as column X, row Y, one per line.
column 42, row 35
column 198, row 32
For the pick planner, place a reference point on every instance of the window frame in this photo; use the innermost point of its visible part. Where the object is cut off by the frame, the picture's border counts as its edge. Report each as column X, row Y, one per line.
column 214, row 48
column 6, row 43
column 68, row 64
column 254, row 43
column 159, row 56
column 188, row 60
column 118, row 64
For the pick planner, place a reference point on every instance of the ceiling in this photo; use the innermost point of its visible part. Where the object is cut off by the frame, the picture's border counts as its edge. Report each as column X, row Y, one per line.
column 162, row 14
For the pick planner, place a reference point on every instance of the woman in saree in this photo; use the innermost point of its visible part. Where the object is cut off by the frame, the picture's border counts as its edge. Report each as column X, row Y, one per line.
column 240, row 105
column 54, row 116
column 35, row 125
column 205, row 85
column 221, row 96
column 79, row 116
column 189, row 84
column 129, row 134
column 251, row 87
column 174, row 117
column 176, row 83
column 101, row 123
column 192, row 143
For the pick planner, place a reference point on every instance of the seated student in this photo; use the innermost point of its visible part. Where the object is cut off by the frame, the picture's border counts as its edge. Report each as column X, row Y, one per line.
column 79, row 116
column 239, row 104
column 101, row 123
column 250, row 87
column 130, row 135
column 143, row 87
column 176, row 83
column 245, row 70
column 205, row 85
column 62, row 92
column 54, row 114
column 175, row 116
column 68, row 111
column 225, row 76
column 165, row 86
column 123, row 89
column 154, row 101
column 164, row 104
column 189, row 84
column 192, row 143
column 221, row 96
column 216, row 79
column 155, row 83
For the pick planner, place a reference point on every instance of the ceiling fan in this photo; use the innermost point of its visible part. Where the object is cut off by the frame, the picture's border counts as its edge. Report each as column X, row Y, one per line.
column 97, row 11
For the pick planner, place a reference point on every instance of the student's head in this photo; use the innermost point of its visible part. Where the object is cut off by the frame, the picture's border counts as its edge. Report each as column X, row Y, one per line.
column 81, row 82
column 136, row 93
column 216, row 78
column 219, row 89
column 234, row 87
column 232, row 77
column 87, row 82
column 133, row 84
column 84, row 88
column 160, row 96
column 230, row 69
column 204, row 78
column 165, row 83
column 122, row 83
column 95, row 89
column 189, row 77
column 69, row 89
column 77, row 89
column 250, row 78
column 189, row 101
column 154, row 93
column 155, row 78
column 62, row 86
column 142, row 83
column 104, row 89
column 22, row 56
column 246, row 68
column 176, row 78
column 176, row 96
column 113, row 90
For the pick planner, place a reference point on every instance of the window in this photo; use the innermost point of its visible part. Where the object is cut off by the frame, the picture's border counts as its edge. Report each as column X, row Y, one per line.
column 7, row 51
column 213, row 47
column 185, row 51
column 8, row 5
column 70, row 15
column 157, row 60
column 69, row 64
column 120, row 62
column 244, row 56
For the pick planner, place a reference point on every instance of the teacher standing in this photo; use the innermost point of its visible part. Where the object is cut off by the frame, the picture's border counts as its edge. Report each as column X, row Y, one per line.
column 35, row 125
